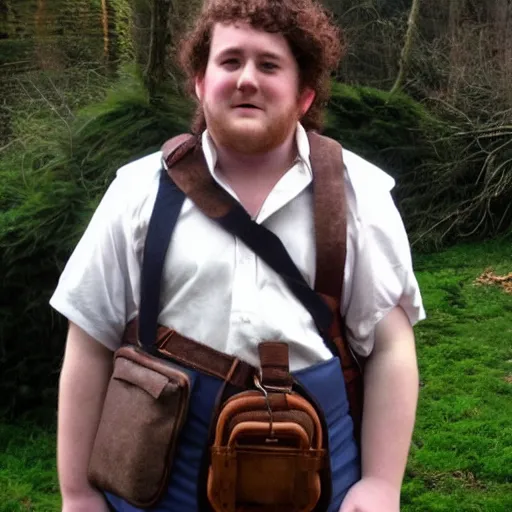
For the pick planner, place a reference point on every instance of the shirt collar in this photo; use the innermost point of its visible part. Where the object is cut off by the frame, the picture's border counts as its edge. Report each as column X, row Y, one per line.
column 302, row 142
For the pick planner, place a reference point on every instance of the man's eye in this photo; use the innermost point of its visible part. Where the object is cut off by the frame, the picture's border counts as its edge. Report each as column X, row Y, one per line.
column 230, row 63
column 269, row 66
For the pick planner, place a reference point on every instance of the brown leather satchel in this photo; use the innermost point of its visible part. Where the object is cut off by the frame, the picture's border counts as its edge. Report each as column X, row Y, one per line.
column 144, row 410
column 268, row 452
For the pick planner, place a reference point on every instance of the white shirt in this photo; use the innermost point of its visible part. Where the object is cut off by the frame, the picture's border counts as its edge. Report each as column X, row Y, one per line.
column 217, row 291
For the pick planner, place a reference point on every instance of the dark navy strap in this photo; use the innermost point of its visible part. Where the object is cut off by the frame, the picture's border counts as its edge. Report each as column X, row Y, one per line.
column 271, row 250
column 259, row 239
column 166, row 211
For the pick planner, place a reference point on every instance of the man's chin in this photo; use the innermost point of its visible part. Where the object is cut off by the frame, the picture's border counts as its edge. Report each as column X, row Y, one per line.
column 246, row 137
column 249, row 145
column 251, row 135
column 247, row 126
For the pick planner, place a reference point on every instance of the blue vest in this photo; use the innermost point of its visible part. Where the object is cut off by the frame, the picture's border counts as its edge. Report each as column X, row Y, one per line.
column 323, row 381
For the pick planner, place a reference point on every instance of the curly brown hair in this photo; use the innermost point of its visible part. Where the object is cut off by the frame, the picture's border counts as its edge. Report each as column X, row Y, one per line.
column 314, row 39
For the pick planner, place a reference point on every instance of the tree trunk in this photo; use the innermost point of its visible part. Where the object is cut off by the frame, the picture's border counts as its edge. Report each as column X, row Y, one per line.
column 405, row 57
column 40, row 34
column 104, row 23
column 504, row 30
column 160, row 37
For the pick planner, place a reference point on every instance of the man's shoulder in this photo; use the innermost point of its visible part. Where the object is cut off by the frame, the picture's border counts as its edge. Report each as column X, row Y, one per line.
column 365, row 177
column 134, row 186
column 143, row 169
column 369, row 197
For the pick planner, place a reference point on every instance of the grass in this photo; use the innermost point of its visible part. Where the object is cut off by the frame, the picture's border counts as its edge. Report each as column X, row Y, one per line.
column 28, row 480
column 461, row 458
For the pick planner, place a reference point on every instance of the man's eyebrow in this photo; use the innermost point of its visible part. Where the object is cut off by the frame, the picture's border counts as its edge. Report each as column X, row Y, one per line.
column 271, row 55
column 238, row 51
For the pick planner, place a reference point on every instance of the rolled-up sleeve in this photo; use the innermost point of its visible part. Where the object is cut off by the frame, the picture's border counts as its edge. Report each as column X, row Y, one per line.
column 100, row 285
column 379, row 274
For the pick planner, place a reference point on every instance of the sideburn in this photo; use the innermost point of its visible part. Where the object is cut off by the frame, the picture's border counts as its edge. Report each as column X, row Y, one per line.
column 198, row 124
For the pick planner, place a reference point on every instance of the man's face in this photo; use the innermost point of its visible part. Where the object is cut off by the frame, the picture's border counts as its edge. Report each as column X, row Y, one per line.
column 250, row 89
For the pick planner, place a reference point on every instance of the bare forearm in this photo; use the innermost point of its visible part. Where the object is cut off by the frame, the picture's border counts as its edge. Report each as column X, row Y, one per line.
column 83, row 382
column 391, row 394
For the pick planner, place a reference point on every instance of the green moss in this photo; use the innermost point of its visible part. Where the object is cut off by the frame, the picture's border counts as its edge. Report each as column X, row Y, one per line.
column 461, row 456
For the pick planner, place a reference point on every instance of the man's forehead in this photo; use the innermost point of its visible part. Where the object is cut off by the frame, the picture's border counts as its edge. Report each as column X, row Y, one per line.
column 240, row 36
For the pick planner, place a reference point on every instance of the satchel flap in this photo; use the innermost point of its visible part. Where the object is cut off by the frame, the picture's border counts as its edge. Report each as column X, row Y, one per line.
column 150, row 381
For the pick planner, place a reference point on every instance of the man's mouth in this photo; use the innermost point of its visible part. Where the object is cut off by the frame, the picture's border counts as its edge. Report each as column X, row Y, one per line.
column 247, row 105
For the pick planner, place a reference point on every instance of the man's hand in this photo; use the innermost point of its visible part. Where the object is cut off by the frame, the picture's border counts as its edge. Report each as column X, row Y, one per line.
column 371, row 495
column 93, row 501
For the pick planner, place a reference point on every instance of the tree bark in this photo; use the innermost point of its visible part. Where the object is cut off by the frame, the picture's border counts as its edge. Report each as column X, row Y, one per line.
column 105, row 24
column 405, row 57
column 155, row 72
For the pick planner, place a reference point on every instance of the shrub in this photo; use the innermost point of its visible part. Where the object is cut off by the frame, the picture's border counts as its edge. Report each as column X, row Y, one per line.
column 43, row 211
column 454, row 176
column 392, row 131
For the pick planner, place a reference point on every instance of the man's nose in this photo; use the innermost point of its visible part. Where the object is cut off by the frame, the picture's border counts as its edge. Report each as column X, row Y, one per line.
column 248, row 77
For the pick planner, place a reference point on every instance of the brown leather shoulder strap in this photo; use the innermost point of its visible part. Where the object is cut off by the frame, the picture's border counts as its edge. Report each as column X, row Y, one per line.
column 185, row 163
column 191, row 175
column 330, row 214
column 331, row 242
column 170, row 153
column 274, row 362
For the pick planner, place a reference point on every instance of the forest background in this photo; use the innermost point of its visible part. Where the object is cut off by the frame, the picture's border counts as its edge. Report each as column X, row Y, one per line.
column 88, row 85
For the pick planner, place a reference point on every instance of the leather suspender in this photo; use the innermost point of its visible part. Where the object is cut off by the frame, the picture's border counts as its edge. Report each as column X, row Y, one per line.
column 185, row 165
column 183, row 162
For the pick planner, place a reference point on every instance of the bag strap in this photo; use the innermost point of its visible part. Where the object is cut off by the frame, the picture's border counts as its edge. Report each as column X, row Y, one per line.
column 166, row 211
column 184, row 161
column 192, row 176
column 330, row 207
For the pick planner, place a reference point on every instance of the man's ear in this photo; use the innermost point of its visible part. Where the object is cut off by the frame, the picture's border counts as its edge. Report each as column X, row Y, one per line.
column 306, row 98
column 199, row 87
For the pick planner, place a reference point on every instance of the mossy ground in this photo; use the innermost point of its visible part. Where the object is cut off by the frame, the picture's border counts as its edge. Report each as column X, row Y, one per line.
column 461, row 458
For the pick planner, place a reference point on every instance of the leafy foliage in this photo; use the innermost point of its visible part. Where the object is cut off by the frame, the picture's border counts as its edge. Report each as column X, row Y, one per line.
column 43, row 211
column 454, row 179
column 392, row 131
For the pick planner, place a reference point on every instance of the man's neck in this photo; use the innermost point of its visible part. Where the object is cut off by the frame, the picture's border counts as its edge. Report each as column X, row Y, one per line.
column 267, row 168
column 252, row 177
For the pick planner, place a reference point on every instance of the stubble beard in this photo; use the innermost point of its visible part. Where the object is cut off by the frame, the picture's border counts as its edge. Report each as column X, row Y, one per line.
column 249, row 136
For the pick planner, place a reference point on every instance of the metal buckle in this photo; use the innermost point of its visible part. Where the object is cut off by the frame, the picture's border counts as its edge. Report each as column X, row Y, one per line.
column 259, row 386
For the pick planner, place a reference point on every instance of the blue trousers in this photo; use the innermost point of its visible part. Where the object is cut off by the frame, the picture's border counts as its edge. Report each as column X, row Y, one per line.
column 323, row 381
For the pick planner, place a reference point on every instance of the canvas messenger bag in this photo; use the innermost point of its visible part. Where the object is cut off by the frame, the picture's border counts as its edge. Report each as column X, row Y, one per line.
column 267, row 449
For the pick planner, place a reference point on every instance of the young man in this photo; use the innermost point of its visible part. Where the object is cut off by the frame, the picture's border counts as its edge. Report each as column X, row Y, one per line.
column 260, row 72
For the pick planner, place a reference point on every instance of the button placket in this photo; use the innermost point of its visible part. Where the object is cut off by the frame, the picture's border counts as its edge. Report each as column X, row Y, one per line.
column 243, row 283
